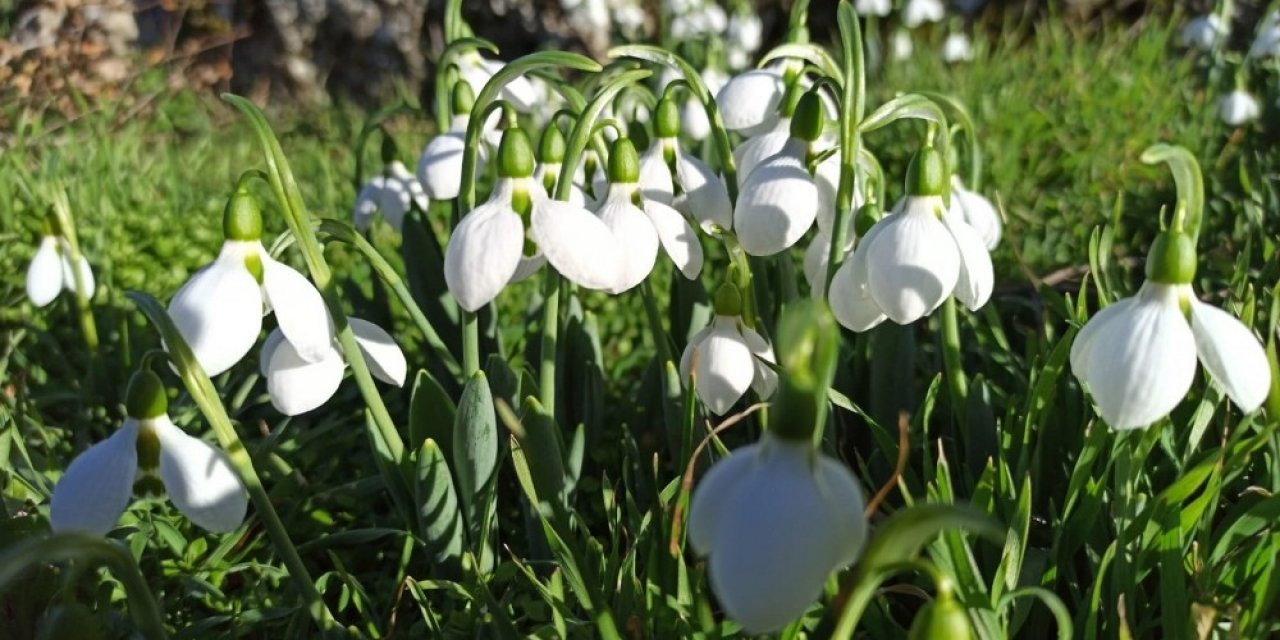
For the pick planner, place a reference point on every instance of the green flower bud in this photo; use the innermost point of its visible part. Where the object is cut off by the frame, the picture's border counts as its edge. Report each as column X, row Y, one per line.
column 552, row 146
column 942, row 619
column 728, row 300
column 667, row 118
column 807, row 122
column 515, row 154
column 463, row 98
column 624, row 162
column 1172, row 259
column 927, row 173
column 808, row 346
column 868, row 215
column 145, row 398
column 242, row 218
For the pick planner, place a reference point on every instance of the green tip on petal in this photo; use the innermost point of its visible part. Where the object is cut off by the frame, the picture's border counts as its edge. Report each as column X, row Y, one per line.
column 624, row 162
column 145, row 397
column 728, row 300
column 463, row 98
column 242, row 219
column 552, row 146
column 667, row 119
column 807, row 122
column 515, row 154
column 1172, row 259
column 927, row 174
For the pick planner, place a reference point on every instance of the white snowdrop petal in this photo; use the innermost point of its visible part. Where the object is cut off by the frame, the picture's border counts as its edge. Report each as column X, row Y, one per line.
column 483, row 254
column 704, row 196
column 655, row 177
column 757, row 149
column 827, row 177
column 385, row 359
column 750, row 99
column 815, row 264
column 686, row 357
column 712, row 493
column 775, row 543
column 977, row 277
column 417, row 194
column 777, row 205
column 725, row 368
column 45, row 273
column 528, row 266
column 299, row 309
column 850, row 296
column 268, row 349
column 637, row 240
column 219, row 311
column 577, row 243
column 765, row 381
column 980, row 214
column 98, row 485
column 395, row 203
column 297, row 386
column 1082, row 346
column 693, row 119
column 367, row 201
column 519, row 91
column 845, row 503
column 917, row 12
column 199, row 479
column 440, row 166
column 912, row 265
column 678, row 239
column 69, row 276
column 1232, row 355
column 1143, row 361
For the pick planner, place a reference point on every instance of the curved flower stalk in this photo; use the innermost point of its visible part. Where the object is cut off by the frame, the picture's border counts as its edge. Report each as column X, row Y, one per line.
column 148, row 457
column 913, row 259
column 957, row 48
column 727, row 357
column 476, row 71
column 677, row 179
column 1204, row 32
column 51, row 273
column 391, row 194
column 640, row 224
column 777, row 517
column 440, row 165
column 976, row 210
column 297, row 386
column 781, row 199
column 1266, row 44
column 1238, row 108
column 1138, row 356
column 918, row 12
column 219, row 310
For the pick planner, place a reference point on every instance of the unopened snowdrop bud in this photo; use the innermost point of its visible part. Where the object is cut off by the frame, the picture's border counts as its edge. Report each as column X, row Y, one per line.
column 918, row 12
column 728, row 357
column 219, row 310
column 780, row 200
column 1238, row 108
column 943, row 618
column 150, row 457
column 777, row 517
column 1203, row 32
column 956, row 48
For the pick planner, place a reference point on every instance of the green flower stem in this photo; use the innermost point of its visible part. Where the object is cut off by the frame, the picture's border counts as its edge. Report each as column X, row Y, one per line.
column 84, row 310
column 1189, row 212
column 738, row 259
column 470, row 344
column 550, row 338
column 1126, row 469
column 290, row 199
column 956, row 380
column 206, row 398
column 854, row 100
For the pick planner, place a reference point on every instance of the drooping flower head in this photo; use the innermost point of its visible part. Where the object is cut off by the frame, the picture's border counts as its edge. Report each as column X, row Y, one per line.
column 1238, row 108
column 728, row 357
column 749, row 101
column 51, row 272
column 918, row 12
column 476, row 72
column 440, row 165
column 1266, row 43
column 975, row 209
column 913, row 259
column 148, row 457
column 390, row 193
column 680, row 180
column 957, row 48
column 1203, row 32
column 219, row 310
column 297, row 386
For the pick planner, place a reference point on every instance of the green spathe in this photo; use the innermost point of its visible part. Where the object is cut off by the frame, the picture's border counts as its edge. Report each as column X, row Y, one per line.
column 145, row 397
column 927, row 174
column 1172, row 259
column 515, row 154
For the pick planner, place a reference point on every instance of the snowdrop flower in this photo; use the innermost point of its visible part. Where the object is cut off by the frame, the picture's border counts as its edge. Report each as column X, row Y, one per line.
column 148, row 456
column 1267, row 42
column 873, row 7
column 780, row 200
column 956, row 48
column 818, row 254
column 477, row 71
column 749, row 101
column 913, row 259
column 391, row 193
column 693, row 116
column 1203, row 32
column 674, row 178
column 440, row 165
column 1138, row 356
column 219, row 310
column 50, row 271
column 725, row 357
column 1238, row 108
column 901, row 44
column 297, row 386
column 744, row 37
column 641, row 224
column 976, row 210
column 918, row 12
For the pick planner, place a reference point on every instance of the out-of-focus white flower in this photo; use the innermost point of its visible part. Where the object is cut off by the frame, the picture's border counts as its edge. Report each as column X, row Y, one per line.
column 1203, row 32
column 390, row 193
column 297, row 386
column 50, row 271
column 956, row 48
column 630, row 18
column 918, row 12
column 873, row 7
column 1267, row 42
column 147, row 456
column 1238, row 107
column 977, row 210
column 775, row 518
column 743, row 39
column 477, row 71
column 900, row 45
column 1138, row 355
column 723, row 361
